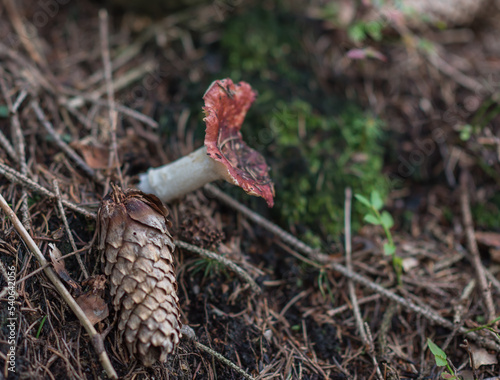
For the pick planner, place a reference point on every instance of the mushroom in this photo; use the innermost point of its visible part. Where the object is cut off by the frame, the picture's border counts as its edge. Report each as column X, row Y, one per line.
column 224, row 154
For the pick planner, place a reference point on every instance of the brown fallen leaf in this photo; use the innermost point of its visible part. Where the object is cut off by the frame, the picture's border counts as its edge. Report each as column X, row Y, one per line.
column 60, row 268
column 95, row 154
column 91, row 301
column 482, row 357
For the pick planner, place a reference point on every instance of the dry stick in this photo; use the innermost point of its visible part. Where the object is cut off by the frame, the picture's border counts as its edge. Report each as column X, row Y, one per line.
column 472, row 245
column 25, row 37
column 113, row 115
column 122, row 82
column 426, row 312
column 96, row 338
column 14, row 176
column 59, row 142
column 227, row 263
column 8, row 147
column 66, row 226
column 350, row 284
column 17, row 136
column 188, row 333
column 119, row 107
column 22, row 95
column 348, row 262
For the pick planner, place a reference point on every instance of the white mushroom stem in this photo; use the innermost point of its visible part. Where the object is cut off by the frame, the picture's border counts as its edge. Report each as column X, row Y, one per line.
column 188, row 173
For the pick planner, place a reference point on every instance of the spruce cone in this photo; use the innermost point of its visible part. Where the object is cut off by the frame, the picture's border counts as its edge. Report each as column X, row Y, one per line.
column 138, row 258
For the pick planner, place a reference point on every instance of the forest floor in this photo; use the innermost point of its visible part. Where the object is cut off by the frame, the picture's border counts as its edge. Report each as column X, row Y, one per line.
column 336, row 310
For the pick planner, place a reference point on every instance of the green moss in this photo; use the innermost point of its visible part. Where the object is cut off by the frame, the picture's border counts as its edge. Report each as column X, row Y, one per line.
column 317, row 157
column 485, row 214
column 317, row 144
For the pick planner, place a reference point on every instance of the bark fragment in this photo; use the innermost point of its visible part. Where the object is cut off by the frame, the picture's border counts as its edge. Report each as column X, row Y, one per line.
column 138, row 260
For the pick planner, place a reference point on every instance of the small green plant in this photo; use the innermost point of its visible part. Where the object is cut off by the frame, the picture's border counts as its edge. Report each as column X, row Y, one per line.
column 40, row 327
column 209, row 268
column 324, row 282
column 362, row 30
column 384, row 219
column 441, row 360
column 488, row 326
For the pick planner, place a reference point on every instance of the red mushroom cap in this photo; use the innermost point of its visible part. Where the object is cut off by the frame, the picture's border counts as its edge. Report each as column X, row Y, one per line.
column 226, row 105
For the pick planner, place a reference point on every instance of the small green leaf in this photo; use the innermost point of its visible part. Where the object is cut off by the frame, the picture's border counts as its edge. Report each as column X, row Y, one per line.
column 387, row 220
column 376, row 200
column 438, row 353
column 389, row 249
column 372, row 219
column 363, row 200
column 4, row 111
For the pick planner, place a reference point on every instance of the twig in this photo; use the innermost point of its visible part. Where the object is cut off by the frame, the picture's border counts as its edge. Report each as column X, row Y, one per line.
column 348, row 262
column 426, row 312
column 472, row 245
column 122, row 82
column 113, row 115
column 66, row 226
column 119, row 107
column 188, row 333
column 22, row 95
column 14, row 176
column 17, row 136
column 4, row 141
column 25, row 37
column 350, row 284
column 343, row 308
column 227, row 263
column 278, row 231
column 96, row 338
column 60, row 143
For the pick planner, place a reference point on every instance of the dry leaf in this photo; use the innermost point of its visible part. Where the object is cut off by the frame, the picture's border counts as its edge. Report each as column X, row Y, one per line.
column 93, row 306
column 60, row 268
column 95, row 154
column 482, row 357
column 138, row 259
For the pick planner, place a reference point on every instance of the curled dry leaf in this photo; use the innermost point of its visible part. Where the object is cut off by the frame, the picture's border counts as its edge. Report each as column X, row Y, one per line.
column 92, row 302
column 138, row 259
column 482, row 357
column 60, row 268
column 95, row 153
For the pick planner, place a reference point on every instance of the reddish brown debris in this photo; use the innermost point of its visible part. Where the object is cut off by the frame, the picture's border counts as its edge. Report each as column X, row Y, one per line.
column 138, row 258
column 91, row 302
column 226, row 105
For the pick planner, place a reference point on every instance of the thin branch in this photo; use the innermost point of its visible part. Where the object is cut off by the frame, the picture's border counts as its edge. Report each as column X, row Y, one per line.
column 4, row 141
column 188, row 333
column 66, row 226
column 100, row 102
column 113, row 115
column 25, row 37
column 472, row 245
column 17, row 136
column 60, row 143
column 350, row 284
column 16, row 177
column 288, row 238
column 348, row 261
column 227, row 263
column 96, row 338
